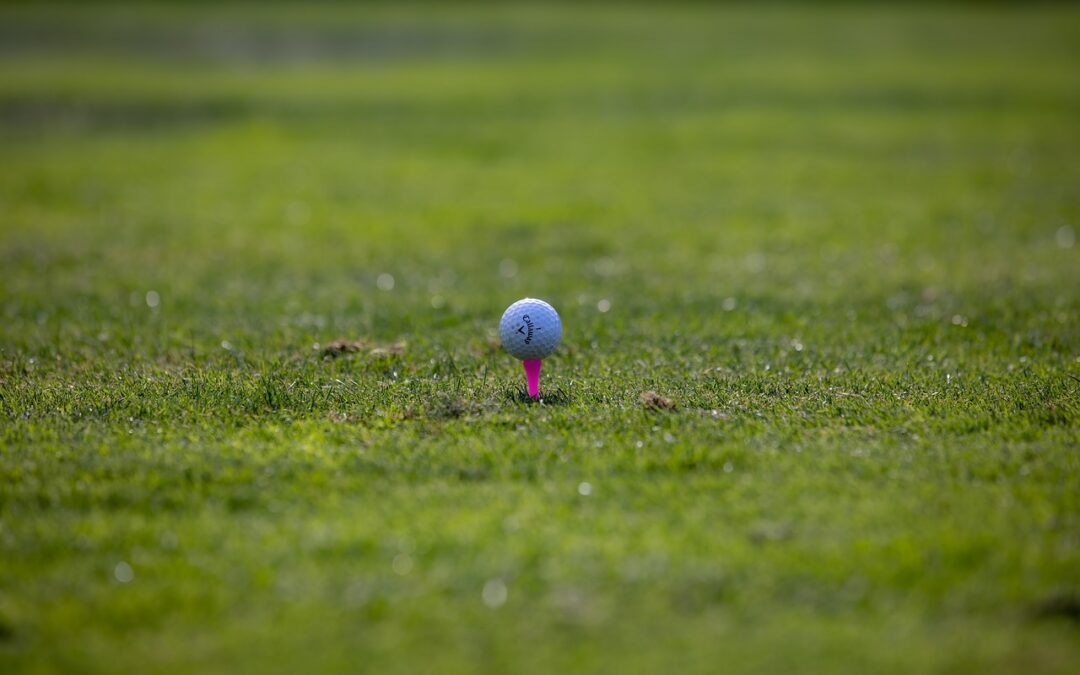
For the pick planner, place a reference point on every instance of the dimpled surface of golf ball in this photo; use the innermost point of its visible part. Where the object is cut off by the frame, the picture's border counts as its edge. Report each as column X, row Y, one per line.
column 530, row 329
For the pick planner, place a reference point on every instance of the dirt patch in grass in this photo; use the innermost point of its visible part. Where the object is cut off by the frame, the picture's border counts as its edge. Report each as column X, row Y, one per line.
column 655, row 402
column 342, row 347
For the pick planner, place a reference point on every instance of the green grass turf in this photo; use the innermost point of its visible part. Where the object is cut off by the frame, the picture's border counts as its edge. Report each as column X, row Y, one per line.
column 841, row 241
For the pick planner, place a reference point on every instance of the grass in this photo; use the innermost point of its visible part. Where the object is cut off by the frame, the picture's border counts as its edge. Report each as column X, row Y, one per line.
column 841, row 241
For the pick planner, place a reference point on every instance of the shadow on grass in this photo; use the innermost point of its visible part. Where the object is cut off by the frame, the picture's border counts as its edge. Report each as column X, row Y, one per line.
column 555, row 397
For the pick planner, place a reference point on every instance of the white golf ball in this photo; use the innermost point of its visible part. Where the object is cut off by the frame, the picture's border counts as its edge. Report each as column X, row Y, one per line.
column 530, row 329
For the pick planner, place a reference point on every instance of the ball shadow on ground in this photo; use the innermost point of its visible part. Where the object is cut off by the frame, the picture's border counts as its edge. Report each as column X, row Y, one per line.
column 557, row 396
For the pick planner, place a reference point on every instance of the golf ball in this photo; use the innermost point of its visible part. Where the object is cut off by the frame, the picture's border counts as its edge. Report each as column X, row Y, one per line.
column 530, row 329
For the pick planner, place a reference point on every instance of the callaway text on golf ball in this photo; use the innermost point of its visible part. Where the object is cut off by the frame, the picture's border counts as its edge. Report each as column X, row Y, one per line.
column 530, row 329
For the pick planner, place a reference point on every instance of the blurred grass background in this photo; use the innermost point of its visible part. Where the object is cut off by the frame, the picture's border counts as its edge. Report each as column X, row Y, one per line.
column 840, row 238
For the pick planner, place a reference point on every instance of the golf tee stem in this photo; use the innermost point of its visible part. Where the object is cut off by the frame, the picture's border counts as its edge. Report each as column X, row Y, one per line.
column 532, row 376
